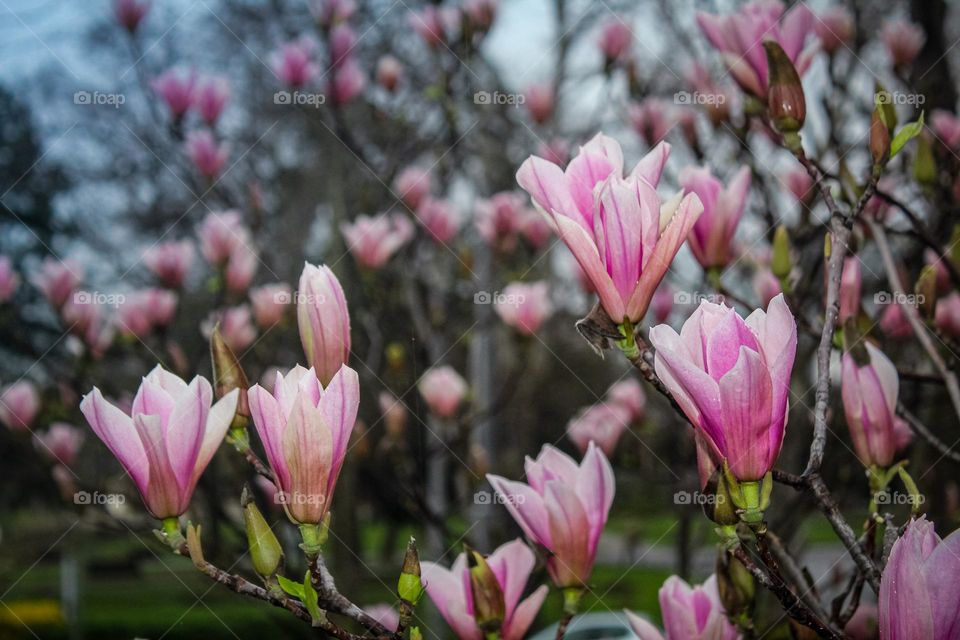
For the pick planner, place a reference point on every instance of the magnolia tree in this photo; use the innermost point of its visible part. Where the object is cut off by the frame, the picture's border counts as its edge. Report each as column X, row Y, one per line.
column 811, row 328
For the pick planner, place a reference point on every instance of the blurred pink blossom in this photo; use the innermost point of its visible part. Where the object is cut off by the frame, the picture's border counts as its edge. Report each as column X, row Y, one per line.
column 651, row 118
column 373, row 240
column 689, row 613
column 294, row 65
column 629, row 394
column 170, row 261
column 389, row 72
column 221, row 232
column 241, row 267
column 835, row 28
column 765, row 285
column 662, row 303
column 210, row 98
column 602, row 424
column 342, row 41
column 413, row 184
column 348, row 82
column 236, row 327
column 894, row 323
column 9, row 279
column 615, row 39
column 480, row 13
column 498, row 219
column 60, row 443
column 332, row 12
column 524, row 306
column 19, row 405
column 129, row 13
column 947, row 316
column 799, row 183
column 176, row 88
column 539, row 102
column 207, row 156
column 385, row 614
column 946, row 127
column 711, row 239
column 57, row 279
column 430, row 24
column 439, row 217
column 443, row 389
column 903, row 40
column 270, row 303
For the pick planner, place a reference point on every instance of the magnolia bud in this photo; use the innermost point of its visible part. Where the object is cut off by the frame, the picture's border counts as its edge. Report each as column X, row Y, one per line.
column 719, row 510
column 265, row 549
column 736, row 587
column 409, row 587
column 926, row 290
column 785, row 100
column 924, row 166
column 488, row 603
column 780, row 262
column 227, row 376
column 879, row 139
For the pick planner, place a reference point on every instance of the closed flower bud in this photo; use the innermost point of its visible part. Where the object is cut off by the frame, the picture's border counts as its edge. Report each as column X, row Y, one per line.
column 879, row 139
column 265, row 549
column 780, row 262
column 488, row 603
column 736, row 586
column 409, row 587
column 785, row 99
column 227, row 376
column 926, row 290
column 324, row 321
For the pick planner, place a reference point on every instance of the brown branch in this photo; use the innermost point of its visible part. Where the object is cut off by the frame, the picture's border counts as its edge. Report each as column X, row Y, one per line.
column 921, row 430
column 333, row 600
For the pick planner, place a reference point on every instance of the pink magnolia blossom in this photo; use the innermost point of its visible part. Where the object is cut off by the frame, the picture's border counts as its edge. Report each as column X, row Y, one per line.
column 615, row 39
column 799, row 183
column 342, row 41
column 766, row 285
column 373, row 240
column 534, row 227
column 732, row 379
column 19, row 405
column 167, row 440
column 499, row 218
column 919, row 592
column 221, row 232
column 629, row 394
column 622, row 235
column 236, row 327
column 270, row 303
column 394, row 412
column 835, row 28
column 718, row 101
column 293, row 64
column 176, row 88
column 851, row 281
column 480, row 13
column 652, row 118
column 332, row 12
column 903, row 40
column 711, row 239
column 241, row 267
column 600, row 424
column 130, row 13
column 58, row 279
column 60, row 443
column 207, row 156
column 305, row 430
column 430, row 24
column 443, row 389
column 162, row 305
column 555, row 150
column 869, row 390
column 947, row 315
column 324, row 321
column 412, row 185
column 389, row 73
column 133, row 316
column 439, row 217
column 85, row 318
column 348, row 82
column 524, row 306
column 662, row 303
column 739, row 37
column 9, row 279
column 564, row 509
column 539, row 102
column 451, row 592
column 170, row 262
column 894, row 324
column 946, row 127
column 210, row 98
column 689, row 613
column 385, row 614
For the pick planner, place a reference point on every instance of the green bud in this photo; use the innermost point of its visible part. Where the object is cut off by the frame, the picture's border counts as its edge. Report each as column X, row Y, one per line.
column 409, row 586
column 737, row 589
column 721, row 509
column 780, row 263
column 926, row 290
column 489, row 608
column 227, row 376
column 785, row 100
column 265, row 549
column 924, row 166
column 879, row 139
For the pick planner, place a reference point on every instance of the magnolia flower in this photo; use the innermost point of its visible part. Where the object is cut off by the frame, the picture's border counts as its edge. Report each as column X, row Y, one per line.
column 894, row 323
column 766, row 285
column 946, row 127
column 739, row 37
column 711, row 238
column 689, row 613
column 480, row 14
column 719, row 103
column 799, row 183
column 241, row 267
column 834, row 28
column 293, row 64
column 947, row 315
column 58, row 279
column 221, row 232
column 161, row 305
column 85, row 318
column 394, row 413
column 133, row 316
column 129, row 13
column 451, row 591
column 373, row 240
column 851, row 280
column 615, row 227
column 236, row 327
column 534, row 227
column 629, row 394
column 524, row 306
column 443, row 389
column 332, row 12
column 869, row 386
column 60, row 443
column 600, row 424
column 539, row 102
column 439, row 218
column 903, row 41
column 175, row 87
column 556, row 150
column 732, row 380
column 348, row 82
column 389, row 72
column 167, row 440
column 662, row 303
column 499, row 218
column 19, row 405
column 207, row 156
column 170, row 262
column 270, row 303
column 342, row 41
column 430, row 25
column 385, row 614
column 9, row 280
column 305, row 429
column 210, row 98
column 652, row 118
column 919, row 592
column 563, row 509
column 412, row 185
column 615, row 39
column 324, row 321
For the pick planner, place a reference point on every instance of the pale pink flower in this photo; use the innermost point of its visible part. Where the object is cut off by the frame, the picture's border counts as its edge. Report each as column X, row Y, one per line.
column 19, row 405
column 332, row 12
column 133, row 316
column 385, row 614
column 58, row 279
column 851, row 282
column 711, row 239
column 305, row 430
column 869, row 390
column 564, row 509
column 499, row 218
column 342, row 41
column 130, row 13
column 207, row 155
column 161, row 305
column 452, row 593
column 221, row 232
column 662, row 303
column 600, row 424
column 894, row 323
column 443, row 389
column 390, row 72
column 555, row 150
column 241, row 267
column 293, row 64
column 615, row 39
column 9, row 279
column 430, row 24
column 169, row 438
column 732, row 379
column 439, row 217
column 539, row 102
column 394, row 412
column 524, row 306
column 689, row 613
column 373, row 240
column 947, row 315
column 170, row 261
column 946, row 127
column 412, row 185
column 534, row 227
column 210, row 98
column 323, row 320
column 348, row 82
column 622, row 235
column 799, row 183
column 766, row 285
column 903, row 40
column 652, row 118
column 835, row 28
column 60, row 443
column 629, row 394
column 236, row 327
column 176, row 87
column 480, row 13
column 270, row 303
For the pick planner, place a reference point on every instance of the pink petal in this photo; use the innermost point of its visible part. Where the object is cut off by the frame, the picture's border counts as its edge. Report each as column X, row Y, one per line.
column 547, row 185
column 339, row 405
column 596, row 487
column 746, row 397
column 640, row 626
column 551, row 464
column 650, row 166
column 584, row 249
column 525, row 506
column 795, row 26
column 184, row 432
column 164, row 497
column 116, row 430
column 515, row 627
column 512, row 563
column 445, row 588
column 569, row 535
column 308, row 451
column 270, row 424
column 218, row 421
